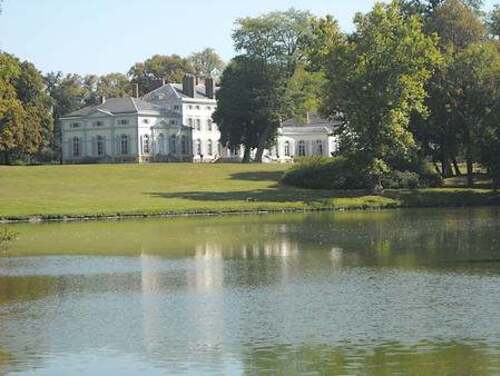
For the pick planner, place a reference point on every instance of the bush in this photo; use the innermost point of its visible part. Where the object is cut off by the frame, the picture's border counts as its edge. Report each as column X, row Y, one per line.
column 343, row 173
column 325, row 173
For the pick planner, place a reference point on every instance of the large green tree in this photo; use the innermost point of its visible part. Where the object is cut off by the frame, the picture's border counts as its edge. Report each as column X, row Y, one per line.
column 170, row 68
column 114, row 85
column 206, row 63
column 494, row 21
column 376, row 80
column 25, row 117
column 248, row 105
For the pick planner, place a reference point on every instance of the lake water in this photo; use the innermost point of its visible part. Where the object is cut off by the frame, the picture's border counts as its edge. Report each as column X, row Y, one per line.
column 409, row 292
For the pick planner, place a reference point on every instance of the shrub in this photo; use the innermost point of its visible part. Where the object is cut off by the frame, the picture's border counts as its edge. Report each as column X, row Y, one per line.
column 325, row 173
column 344, row 173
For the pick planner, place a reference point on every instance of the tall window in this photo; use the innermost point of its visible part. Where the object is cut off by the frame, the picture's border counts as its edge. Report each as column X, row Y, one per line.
column 198, row 147
column 100, row 146
column 209, row 125
column 190, row 123
column 124, row 144
column 184, row 147
column 210, row 148
column 287, row 149
column 302, row 148
column 161, row 143
column 198, row 124
column 76, row 147
column 319, row 147
column 173, row 144
column 147, row 144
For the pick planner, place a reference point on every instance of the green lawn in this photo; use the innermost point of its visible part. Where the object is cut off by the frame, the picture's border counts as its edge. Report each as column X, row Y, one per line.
column 110, row 190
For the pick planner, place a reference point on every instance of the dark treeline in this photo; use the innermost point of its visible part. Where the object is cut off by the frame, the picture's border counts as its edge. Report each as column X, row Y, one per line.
column 31, row 103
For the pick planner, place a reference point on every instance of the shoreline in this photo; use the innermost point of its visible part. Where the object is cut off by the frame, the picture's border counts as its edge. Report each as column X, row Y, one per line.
column 489, row 201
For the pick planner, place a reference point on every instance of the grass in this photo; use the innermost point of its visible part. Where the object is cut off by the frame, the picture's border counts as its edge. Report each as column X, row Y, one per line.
column 78, row 191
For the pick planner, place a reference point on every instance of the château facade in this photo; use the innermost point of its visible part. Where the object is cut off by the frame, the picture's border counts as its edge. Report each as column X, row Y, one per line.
column 174, row 124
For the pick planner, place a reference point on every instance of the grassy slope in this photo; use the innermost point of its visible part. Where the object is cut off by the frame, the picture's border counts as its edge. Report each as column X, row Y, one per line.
column 107, row 190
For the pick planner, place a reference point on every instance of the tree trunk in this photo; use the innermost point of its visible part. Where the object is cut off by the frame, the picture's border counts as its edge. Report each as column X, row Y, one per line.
column 455, row 166
column 470, row 171
column 246, row 154
column 262, row 144
column 378, row 188
column 436, row 167
column 446, row 167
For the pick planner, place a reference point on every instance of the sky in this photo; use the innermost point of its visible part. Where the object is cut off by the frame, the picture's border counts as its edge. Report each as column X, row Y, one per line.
column 103, row 36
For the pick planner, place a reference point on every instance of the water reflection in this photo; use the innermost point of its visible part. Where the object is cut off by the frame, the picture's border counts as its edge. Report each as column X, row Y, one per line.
column 410, row 292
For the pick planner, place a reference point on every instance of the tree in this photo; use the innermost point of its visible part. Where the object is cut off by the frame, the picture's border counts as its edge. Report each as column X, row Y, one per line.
column 206, row 63
column 25, row 119
column 170, row 68
column 248, row 105
column 473, row 96
column 113, row 85
column 458, row 26
column 275, row 43
column 276, row 38
column 494, row 22
column 376, row 80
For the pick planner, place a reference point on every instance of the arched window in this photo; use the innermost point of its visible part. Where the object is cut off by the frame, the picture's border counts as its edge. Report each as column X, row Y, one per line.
column 124, row 144
column 198, row 147
column 76, row 147
column 287, row 149
column 100, row 146
column 173, row 144
column 210, row 149
column 319, row 147
column 161, row 143
column 146, row 144
column 234, row 150
column 184, row 146
column 302, row 148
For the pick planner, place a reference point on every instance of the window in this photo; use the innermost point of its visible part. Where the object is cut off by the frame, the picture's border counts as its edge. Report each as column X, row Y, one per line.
column 173, row 122
column 197, row 107
column 146, row 121
column 190, row 122
column 287, row 149
column 319, row 147
column 209, row 124
column 173, row 144
column 184, row 146
column 98, row 124
column 76, row 147
column 190, row 107
column 146, row 144
column 122, row 122
column 124, row 144
column 302, row 148
column 210, row 149
column 100, row 145
column 198, row 147
column 75, row 125
column 176, row 107
column 234, row 150
column 209, row 108
column 161, row 143
column 198, row 124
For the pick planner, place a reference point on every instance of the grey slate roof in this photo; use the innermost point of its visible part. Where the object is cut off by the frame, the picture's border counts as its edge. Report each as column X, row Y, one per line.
column 117, row 106
column 174, row 91
column 315, row 120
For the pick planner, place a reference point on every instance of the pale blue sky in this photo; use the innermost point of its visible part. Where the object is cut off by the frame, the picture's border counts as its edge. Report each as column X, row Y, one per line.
column 101, row 36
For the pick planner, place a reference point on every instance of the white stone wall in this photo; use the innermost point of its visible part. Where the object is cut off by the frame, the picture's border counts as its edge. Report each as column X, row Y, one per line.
column 109, row 128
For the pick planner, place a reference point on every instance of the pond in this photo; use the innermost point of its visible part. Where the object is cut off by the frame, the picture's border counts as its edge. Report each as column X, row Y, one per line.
column 411, row 292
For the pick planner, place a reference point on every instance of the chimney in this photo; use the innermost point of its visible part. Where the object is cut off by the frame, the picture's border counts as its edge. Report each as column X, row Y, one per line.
column 188, row 85
column 210, row 88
